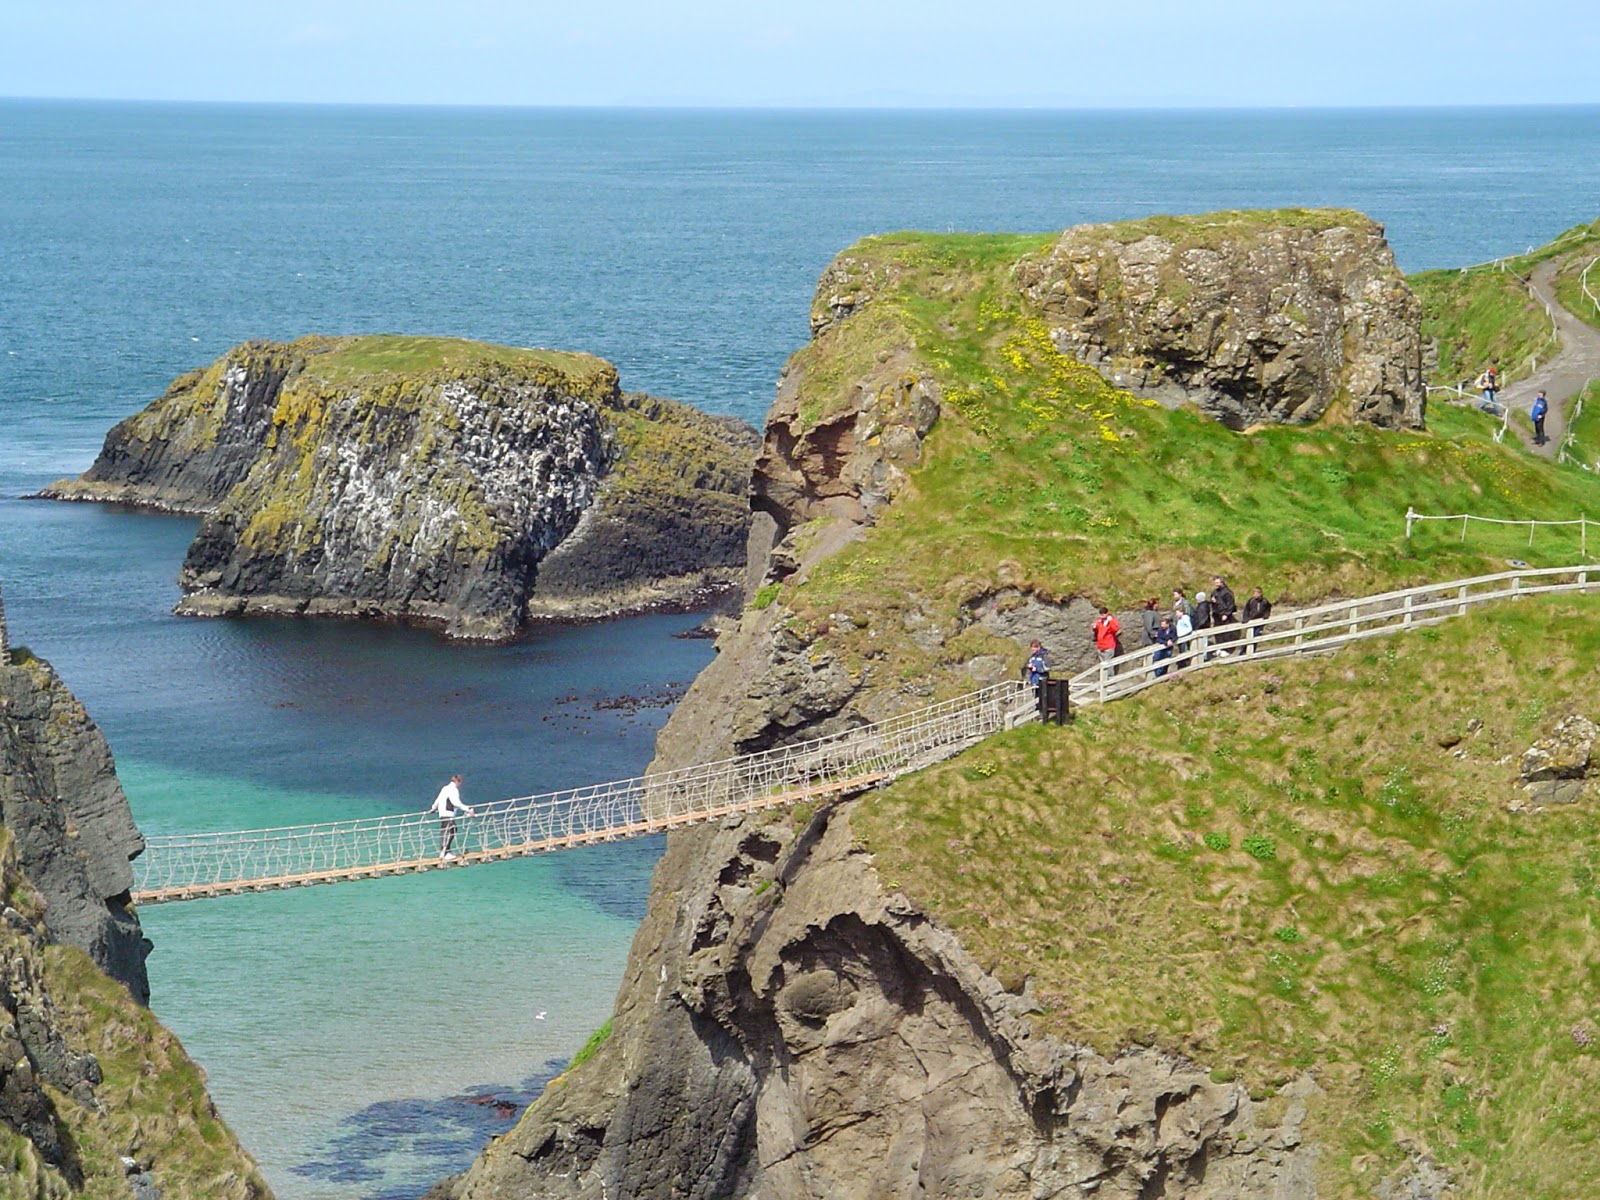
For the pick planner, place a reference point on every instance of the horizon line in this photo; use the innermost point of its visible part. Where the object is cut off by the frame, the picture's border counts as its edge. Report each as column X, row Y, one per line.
column 910, row 107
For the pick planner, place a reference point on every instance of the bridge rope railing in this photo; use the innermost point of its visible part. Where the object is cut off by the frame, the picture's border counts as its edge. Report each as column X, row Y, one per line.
column 188, row 866
column 184, row 866
column 1321, row 629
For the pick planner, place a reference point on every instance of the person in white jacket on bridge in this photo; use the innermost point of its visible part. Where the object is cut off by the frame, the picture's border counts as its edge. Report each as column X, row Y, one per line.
column 449, row 806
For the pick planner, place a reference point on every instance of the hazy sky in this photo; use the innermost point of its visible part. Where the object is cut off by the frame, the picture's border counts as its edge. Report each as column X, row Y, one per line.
column 1065, row 53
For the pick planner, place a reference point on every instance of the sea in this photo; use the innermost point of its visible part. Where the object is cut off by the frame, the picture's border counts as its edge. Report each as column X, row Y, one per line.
column 364, row 1040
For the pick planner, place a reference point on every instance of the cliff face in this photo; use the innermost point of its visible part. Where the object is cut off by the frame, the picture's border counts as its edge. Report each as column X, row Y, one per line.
column 69, row 821
column 789, row 1027
column 96, row 1098
column 941, row 477
column 430, row 480
column 1253, row 317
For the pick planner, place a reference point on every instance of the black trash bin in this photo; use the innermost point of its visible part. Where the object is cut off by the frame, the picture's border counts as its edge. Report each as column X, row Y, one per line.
column 1053, row 702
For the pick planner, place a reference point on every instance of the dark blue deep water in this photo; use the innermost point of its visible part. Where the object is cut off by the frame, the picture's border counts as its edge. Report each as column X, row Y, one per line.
column 348, row 1032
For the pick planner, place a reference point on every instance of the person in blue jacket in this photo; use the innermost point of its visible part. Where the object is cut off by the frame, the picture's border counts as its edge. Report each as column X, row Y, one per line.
column 1038, row 668
column 1166, row 642
column 1541, row 406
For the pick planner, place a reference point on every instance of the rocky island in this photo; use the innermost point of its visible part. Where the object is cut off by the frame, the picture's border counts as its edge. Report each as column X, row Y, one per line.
column 1275, row 934
column 432, row 480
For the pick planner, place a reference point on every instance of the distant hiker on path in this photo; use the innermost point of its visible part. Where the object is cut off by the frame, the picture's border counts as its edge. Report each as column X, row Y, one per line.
column 449, row 806
column 1202, row 621
column 1256, row 610
column 1541, row 406
column 1106, row 629
column 1037, row 669
column 1489, row 384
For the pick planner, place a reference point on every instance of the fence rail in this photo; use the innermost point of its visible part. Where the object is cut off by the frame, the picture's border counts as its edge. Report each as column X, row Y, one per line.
column 1583, row 282
column 1323, row 628
column 192, row 866
column 1583, row 523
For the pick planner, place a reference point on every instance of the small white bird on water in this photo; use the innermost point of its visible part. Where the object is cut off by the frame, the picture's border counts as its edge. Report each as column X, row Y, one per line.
column 539, row 1016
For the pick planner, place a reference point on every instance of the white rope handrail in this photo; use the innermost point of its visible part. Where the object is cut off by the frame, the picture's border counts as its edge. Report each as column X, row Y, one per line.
column 1582, row 522
column 189, row 866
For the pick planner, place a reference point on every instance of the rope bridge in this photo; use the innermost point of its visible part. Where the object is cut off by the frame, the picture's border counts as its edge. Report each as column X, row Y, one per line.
column 196, row 866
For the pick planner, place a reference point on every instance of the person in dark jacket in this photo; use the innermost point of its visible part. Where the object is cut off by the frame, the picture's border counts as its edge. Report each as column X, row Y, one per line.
column 1166, row 644
column 1038, row 668
column 1224, row 612
column 1152, row 620
column 1202, row 625
column 1256, row 610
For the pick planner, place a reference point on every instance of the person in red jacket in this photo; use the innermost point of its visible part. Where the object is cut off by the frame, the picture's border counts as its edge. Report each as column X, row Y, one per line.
column 1106, row 629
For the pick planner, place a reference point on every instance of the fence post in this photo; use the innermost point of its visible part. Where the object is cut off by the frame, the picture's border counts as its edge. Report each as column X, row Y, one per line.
column 1407, row 620
column 1463, row 527
column 1461, row 611
column 1411, row 515
column 1299, row 625
column 1530, row 534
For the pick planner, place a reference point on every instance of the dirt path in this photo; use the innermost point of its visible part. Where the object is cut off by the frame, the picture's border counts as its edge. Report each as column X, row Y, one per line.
column 1565, row 375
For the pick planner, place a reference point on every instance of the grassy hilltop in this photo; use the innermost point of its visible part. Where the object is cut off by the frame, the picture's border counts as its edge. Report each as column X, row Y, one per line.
column 1043, row 477
column 1310, row 866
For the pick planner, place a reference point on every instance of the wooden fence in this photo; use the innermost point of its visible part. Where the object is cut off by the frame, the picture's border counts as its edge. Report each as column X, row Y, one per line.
column 1323, row 628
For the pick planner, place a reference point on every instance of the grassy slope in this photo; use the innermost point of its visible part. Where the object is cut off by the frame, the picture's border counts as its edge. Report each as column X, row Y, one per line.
column 1269, row 872
column 1482, row 315
column 1040, row 475
column 1279, row 868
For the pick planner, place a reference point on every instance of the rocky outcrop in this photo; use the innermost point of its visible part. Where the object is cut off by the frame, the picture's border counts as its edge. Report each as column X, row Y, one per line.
column 431, row 480
column 1556, row 768
column 1254, row 317
column 69, row 821
column 791, row 1027
column 850, row 461
column 96, row 1098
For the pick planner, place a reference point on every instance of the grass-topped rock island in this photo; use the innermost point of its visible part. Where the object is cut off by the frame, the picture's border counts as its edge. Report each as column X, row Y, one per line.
column 432, row 480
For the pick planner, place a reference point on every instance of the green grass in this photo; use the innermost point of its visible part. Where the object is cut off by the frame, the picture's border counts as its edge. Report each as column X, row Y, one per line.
column 1217, row 228
column 1042, row 477
column 1586, row 429
column 355, row 358
column 591, row 1047
column 1479, row 317
column 153, row 1094
column 1280, row 869
column 1483, row 314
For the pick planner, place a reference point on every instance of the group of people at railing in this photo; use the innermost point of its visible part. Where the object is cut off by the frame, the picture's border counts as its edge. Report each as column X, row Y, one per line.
column 1214, row 626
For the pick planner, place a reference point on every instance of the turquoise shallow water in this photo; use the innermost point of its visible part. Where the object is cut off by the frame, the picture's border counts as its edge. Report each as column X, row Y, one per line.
column 343, row 1027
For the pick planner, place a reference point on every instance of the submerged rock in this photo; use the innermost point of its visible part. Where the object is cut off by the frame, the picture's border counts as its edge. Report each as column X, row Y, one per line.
column 1252, row 316
column 432, row 480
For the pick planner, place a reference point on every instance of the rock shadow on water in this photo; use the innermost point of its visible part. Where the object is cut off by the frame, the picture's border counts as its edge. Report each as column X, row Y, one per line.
column 400, row 1148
